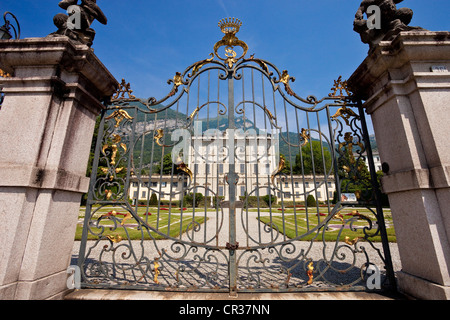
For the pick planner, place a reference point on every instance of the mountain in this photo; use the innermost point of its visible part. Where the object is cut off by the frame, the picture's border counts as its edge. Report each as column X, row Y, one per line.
column 170, row 120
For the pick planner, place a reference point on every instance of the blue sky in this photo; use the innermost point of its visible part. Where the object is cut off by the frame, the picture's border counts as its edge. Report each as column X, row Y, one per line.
column 147, row 41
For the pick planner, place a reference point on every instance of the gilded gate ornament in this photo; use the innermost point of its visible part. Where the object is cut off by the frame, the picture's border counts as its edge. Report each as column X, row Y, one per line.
column 341, row 86
column 114, row 147
column 348, row 145
column 305, row 136
column 346, row 114
column 281, row 166
column 285, row 78
column 310, row 272
column 230, row 27
column 200, row 65
column 158, row 136
column 119, row 116
column 124, row 89
column 183, row 167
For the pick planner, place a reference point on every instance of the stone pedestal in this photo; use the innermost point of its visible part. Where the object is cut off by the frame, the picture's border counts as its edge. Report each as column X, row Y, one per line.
column 46, row 126
column 406, row 89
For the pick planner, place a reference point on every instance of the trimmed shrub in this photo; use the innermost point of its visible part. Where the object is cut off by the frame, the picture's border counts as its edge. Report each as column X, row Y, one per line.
column 153, row 200
column 189, row 199
column 269, row 199
column 311, row 201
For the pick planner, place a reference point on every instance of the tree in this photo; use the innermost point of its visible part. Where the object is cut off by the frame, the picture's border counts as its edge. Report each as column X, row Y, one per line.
column 153, row 200
column 167, row 166
column 319, row 154
column 269, row 199
column 189, row 199
column 311, row 201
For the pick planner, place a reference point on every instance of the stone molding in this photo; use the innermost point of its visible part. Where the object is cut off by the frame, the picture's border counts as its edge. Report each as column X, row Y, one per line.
column 62, row 52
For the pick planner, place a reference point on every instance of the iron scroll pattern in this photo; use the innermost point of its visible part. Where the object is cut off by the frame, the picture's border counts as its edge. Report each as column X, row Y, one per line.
column 126, row 246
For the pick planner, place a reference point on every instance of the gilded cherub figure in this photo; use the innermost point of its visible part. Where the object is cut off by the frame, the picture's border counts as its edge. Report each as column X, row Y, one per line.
column 80, row 20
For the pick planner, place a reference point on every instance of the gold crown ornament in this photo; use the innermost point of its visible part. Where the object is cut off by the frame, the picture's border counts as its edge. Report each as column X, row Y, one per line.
column 230, row 26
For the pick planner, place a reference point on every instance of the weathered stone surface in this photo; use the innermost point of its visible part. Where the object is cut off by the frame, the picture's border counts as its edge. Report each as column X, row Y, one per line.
column 46, row 124
column 409, row 102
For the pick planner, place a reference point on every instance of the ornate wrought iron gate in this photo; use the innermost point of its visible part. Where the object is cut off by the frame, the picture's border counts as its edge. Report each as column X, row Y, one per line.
column 233, row 182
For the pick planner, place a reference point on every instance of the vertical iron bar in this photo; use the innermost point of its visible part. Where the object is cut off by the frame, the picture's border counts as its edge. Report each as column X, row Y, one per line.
column 380, row 216
column 334, row 158
column 245, row 161
column 313, row 168
column 161, row 174
column 205, row 226
column 232, row 188
column 303, row 170
column 291, row 172
column 325, row 170
column 130, row 164
column 256, row 173
column 87, row 213
column 194, row 190
column 218, row 164
column 171, row 176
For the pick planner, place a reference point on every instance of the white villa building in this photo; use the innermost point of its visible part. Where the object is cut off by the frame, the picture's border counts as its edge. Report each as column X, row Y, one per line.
column 210, row 165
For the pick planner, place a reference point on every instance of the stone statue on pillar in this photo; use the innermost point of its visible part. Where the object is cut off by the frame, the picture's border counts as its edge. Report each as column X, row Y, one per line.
column 391, row 20
column 77, row 23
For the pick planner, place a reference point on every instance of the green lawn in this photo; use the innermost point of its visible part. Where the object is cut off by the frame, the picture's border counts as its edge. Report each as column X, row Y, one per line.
column 112, row 225
column 294, row 226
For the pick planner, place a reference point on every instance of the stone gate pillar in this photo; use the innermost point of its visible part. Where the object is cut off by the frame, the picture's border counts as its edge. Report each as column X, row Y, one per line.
column 406, row 88
column 46, row 126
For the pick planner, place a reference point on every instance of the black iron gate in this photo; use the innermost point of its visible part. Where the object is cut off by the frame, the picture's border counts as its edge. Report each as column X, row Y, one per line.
column 233, row 182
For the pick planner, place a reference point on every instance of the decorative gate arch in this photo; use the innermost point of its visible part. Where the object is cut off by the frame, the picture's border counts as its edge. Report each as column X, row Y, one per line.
column 235, row 183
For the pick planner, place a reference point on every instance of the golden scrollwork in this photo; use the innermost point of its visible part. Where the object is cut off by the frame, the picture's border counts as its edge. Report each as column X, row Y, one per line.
column 281, row 166
column 346, row 114
column 230, row 27
column 128, row 216
column 108, row 194
column 285, row 78
column 262, row 64
column 183, row 167
column 124, row 89
column 352, row 242
column 158, row 136
column 305, row 136
column 310, row 273
column 341, row 86
column 348, row 145
column 157, row 272
column 192, row 115
column 117, row 170
column 271, row 116
column 339, row 216
column 114, row 148
column 115, row 238
column 196, row 68
column 177, row 81
column 119, row 115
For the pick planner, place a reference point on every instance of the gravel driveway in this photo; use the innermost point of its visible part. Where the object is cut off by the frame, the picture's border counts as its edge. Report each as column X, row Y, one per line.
column 178, row 264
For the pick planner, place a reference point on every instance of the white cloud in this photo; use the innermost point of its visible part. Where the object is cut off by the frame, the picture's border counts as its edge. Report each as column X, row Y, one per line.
column 222, row 4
